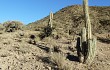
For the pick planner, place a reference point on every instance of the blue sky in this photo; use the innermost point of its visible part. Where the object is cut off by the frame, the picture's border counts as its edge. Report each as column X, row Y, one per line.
column 28, row 11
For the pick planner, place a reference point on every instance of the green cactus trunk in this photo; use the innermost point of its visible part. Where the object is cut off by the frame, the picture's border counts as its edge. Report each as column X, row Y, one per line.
column 91, row 43
column 83, row 34
column 88, row 44
column 91, row 50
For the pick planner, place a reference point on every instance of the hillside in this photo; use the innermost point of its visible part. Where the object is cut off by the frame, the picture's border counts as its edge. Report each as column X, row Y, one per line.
column 72, row 18
column 22, row 49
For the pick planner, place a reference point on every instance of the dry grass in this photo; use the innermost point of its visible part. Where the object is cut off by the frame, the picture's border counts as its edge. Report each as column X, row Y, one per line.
column 60, row 60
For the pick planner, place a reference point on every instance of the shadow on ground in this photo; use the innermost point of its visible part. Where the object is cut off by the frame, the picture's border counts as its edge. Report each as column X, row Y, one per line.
column 103, row 40
column 72, row 57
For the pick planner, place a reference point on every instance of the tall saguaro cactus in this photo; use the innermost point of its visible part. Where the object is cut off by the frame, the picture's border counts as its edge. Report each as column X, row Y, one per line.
column 87, row 44
column 51, row 19
column 48, row 29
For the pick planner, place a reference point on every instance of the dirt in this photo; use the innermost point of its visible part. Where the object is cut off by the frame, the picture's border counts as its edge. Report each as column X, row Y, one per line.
column 17, row 54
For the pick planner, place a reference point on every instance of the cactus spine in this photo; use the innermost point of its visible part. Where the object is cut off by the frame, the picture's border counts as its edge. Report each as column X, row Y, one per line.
column 88, row 44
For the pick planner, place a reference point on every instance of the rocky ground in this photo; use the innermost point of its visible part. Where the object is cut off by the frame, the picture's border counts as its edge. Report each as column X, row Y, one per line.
column 16, row 53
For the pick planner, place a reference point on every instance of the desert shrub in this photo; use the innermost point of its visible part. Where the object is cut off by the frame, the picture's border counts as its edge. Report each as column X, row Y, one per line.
column 2, row 28
column 32, row 39
column 11, row 26
column 60, row 60
column 42, row 35
column 55, row 35
column 104, row 22
column 37, row 39
column 56, row 49
column 46, row 32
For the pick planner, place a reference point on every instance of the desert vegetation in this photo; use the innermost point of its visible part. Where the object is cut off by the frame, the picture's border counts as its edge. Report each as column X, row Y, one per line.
column 74, row 38
column 11, row 26
column 86, row 45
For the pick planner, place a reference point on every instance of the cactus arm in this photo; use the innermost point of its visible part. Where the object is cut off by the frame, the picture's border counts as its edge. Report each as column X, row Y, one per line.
column 79, row 49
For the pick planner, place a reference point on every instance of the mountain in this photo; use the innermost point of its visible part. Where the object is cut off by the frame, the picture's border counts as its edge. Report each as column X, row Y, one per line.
column 71, row 19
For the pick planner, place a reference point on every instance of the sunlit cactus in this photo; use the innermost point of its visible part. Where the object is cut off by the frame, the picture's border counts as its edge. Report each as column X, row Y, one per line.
column 87, row 42
column 51, row 19
column 47, row 31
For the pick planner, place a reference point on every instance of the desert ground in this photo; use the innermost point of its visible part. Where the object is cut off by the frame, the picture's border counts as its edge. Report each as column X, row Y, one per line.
column 16, row 53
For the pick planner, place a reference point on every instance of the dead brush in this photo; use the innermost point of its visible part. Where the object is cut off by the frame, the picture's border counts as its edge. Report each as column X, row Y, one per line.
column 60, row 61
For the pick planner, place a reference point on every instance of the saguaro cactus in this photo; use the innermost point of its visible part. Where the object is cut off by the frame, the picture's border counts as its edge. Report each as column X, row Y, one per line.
column 88, row 44
column 51, row 19
column 87, row 19
column 47, row 31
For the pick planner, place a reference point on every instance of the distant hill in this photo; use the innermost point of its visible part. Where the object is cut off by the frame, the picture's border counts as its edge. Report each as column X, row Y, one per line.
column 71, row 19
